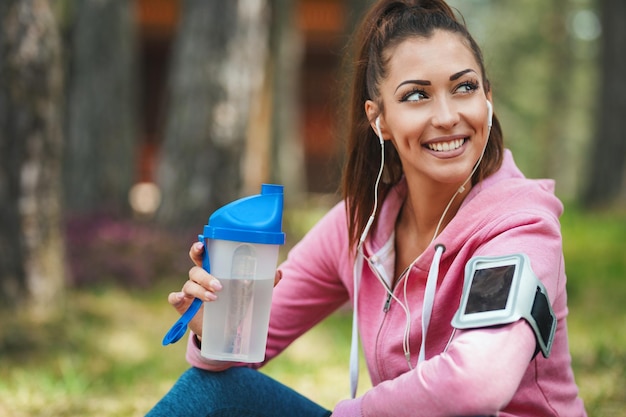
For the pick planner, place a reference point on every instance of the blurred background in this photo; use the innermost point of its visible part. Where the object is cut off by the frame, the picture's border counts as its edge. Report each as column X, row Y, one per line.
column 125, row 123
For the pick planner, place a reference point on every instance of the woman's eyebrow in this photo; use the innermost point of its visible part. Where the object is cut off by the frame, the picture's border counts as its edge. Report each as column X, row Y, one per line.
column 453, row 77
column 459, row 74
column 419, row 82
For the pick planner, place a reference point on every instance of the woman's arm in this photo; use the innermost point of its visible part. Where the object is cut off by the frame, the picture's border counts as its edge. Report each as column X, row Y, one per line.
column 478, row 375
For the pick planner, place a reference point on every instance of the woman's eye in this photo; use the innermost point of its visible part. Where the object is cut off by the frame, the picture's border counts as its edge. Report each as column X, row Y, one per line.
column 415, row 95
column 467, row 87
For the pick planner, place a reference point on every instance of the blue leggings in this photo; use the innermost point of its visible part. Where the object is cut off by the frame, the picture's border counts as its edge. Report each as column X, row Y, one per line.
column 236, row 392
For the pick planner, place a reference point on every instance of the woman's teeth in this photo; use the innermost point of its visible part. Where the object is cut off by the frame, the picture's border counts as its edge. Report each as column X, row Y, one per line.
column 446, row 146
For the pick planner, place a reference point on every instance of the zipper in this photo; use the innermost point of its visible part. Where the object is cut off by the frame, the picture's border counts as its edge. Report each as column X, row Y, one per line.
column 387, row 303
column 402, row 276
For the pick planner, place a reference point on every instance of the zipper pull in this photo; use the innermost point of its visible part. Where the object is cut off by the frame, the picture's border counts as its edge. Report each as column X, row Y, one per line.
column 387, row 303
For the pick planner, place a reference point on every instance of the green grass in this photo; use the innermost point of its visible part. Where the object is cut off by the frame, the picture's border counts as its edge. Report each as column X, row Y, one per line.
column 104, row 358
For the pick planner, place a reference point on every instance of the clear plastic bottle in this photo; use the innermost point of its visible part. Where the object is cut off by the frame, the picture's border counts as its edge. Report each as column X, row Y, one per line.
column 242, row 241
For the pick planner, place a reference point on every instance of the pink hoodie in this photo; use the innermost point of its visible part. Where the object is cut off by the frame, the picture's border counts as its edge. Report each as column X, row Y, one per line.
column 488, row 371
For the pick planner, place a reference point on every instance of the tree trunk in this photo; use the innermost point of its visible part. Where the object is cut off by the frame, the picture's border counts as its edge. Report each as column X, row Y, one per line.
column 553, row 161
column 608, row 149
column 31, row 245
column 218, row 67
column 102, row 111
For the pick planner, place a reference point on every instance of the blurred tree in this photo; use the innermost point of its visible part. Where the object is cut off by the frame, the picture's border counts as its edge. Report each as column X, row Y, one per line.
column 560, row 72
column 606, row 176
column 99, row 163
column 529, row 56
column 540, row 66
column 31, row 246
column 286, row 50
column 219, row 64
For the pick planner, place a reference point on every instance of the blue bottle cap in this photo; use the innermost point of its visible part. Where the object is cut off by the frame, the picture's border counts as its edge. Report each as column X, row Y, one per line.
column 254, row 219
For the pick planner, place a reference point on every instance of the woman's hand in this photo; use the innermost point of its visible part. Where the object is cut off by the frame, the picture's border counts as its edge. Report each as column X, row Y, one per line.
column 200, row 285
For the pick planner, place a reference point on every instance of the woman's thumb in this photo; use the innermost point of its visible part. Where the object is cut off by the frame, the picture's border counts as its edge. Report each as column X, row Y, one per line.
column 178, row 301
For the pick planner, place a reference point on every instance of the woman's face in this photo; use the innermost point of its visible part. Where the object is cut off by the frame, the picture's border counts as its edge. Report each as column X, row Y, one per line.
column 435, row 110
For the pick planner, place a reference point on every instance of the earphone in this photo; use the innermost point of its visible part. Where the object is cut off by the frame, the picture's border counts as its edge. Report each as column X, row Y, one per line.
column 378, row 131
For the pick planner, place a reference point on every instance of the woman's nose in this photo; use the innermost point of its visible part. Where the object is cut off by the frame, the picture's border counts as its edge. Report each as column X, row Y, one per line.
column 445, row 114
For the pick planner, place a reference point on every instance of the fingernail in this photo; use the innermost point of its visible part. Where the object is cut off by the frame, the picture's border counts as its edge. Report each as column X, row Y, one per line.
column 209, row 296
column 198, row 246
column 216, row 285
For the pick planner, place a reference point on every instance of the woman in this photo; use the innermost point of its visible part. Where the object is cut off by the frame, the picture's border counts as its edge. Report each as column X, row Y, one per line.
column 399, row 243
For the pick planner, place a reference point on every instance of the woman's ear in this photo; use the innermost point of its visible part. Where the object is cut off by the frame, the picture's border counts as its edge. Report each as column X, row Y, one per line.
column 373, row 113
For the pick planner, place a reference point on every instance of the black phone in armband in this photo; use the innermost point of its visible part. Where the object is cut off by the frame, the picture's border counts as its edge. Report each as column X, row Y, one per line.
column 501, row 290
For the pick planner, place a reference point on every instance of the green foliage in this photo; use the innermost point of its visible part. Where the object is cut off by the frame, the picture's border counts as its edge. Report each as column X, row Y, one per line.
column 104, row 356
column 596, row 266
column 544, row 76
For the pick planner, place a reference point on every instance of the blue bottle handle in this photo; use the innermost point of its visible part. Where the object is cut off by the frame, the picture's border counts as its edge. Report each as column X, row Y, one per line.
column 179, row 328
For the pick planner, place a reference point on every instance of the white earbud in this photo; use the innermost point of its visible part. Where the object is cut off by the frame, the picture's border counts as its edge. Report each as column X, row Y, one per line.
column 489, row 114
column 378, row 131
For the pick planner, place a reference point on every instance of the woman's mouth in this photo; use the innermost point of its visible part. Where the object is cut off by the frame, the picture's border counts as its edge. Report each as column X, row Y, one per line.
column 446, row 146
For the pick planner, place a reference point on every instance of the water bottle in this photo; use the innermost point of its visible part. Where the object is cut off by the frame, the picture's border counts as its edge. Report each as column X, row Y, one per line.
column 241, row 250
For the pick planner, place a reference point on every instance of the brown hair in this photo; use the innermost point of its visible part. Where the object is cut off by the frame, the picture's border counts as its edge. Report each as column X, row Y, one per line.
column 387, row 24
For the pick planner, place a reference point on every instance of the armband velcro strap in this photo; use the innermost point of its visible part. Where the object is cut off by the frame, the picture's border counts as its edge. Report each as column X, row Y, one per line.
column 501, row 290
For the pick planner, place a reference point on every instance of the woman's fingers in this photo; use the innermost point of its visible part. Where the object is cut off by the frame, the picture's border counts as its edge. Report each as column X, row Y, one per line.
column 176, row 298
column 195, row 253
column 201, row 285
column 179, row 301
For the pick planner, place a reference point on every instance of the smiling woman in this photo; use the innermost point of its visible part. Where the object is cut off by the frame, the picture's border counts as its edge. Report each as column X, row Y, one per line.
column 428, row 188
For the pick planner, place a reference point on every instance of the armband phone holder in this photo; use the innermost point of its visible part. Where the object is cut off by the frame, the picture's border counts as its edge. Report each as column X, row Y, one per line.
column 501, row 290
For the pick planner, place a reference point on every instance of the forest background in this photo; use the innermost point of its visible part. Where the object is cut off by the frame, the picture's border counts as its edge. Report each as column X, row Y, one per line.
column 97, row 209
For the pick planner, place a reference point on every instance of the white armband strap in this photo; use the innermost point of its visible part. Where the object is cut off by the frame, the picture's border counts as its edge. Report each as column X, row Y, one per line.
column 501, row 290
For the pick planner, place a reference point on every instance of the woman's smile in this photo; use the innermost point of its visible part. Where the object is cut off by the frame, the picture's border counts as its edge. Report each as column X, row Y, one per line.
column 446, row 147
